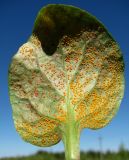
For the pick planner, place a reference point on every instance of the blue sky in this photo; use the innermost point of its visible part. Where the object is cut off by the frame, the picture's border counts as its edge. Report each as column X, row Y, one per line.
column 16, row 23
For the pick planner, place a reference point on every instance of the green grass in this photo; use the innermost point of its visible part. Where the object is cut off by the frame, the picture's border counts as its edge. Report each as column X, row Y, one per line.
column 122, row 154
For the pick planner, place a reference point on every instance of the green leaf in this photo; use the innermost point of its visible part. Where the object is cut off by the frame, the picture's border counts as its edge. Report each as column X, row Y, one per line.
column 68, row 76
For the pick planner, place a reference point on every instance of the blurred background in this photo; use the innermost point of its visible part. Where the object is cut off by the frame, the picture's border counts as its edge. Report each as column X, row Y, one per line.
column 16, row 22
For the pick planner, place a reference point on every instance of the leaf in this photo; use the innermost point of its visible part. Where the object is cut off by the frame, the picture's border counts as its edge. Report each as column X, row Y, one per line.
column 70, row 69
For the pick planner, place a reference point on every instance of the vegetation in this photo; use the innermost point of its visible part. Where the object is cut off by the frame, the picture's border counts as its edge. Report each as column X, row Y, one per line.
column 122, row 154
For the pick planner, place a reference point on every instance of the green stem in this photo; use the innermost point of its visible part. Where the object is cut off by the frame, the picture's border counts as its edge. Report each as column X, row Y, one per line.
column 71, row 139
column 71, row 132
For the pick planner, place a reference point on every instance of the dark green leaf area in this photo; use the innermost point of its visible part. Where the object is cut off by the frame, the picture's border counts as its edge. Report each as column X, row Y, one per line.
column 56, row 20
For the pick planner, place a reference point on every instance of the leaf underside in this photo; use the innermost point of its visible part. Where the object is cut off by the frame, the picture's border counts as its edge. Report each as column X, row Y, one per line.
column 87, row 66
